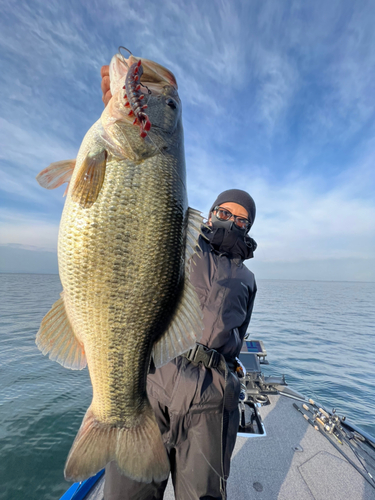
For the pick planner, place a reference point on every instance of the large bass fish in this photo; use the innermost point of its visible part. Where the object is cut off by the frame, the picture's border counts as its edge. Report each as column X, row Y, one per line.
column 126, row 238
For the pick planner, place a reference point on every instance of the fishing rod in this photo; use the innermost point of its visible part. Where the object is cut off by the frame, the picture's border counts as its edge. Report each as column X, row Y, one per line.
column 369, row 479
column 280, row 393
column 320, row 417
column 341, row 423
column 333, row 423
column 359, row 458
column 306, row 417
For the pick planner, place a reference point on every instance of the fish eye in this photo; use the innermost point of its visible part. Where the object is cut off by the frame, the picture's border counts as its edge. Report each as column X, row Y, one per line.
column 171, row 103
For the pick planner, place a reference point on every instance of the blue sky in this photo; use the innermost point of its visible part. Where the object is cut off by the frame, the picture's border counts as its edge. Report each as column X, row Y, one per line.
column 278, row 99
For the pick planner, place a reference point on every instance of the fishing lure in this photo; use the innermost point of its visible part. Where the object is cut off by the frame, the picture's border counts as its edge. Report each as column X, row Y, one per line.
column 133, row 98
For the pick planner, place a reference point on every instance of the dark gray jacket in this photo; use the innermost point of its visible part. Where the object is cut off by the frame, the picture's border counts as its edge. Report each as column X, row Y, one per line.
column 226, row 289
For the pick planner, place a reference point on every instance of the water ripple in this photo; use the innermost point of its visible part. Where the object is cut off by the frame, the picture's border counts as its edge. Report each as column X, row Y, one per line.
column 319, row 334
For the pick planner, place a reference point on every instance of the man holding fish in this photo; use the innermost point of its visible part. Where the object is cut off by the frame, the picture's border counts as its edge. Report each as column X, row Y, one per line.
column 195, row 396
column 155, row 304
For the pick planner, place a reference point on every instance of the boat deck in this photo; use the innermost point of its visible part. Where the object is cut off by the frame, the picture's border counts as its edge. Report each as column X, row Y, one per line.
column 292, row 461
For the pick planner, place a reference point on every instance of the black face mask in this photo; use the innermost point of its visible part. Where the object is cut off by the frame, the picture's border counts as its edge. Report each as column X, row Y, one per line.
column 226, row 237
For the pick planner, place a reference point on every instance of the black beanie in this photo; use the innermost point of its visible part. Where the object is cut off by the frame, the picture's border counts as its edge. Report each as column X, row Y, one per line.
column 237, row 196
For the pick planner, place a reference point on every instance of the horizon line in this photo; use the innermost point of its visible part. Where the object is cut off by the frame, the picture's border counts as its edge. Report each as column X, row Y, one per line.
column 258, row 279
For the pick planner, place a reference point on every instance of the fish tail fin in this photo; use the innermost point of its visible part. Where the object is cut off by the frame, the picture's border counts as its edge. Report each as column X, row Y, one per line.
column 138, row 451
column 93, row 447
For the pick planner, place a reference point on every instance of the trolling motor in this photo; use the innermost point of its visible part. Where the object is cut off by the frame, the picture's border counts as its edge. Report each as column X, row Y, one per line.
column 255, row 387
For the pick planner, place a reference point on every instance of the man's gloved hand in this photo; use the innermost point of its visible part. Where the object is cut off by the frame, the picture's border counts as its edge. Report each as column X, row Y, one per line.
column 105, row 85
column 240, row 369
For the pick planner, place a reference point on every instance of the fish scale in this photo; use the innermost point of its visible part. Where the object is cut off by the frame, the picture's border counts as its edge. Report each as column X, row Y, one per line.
column 125, row 241
column 132, row 266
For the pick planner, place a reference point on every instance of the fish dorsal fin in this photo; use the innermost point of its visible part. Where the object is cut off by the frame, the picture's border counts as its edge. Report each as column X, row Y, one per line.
column 186, row 325
column 56, row 174
column 56, row 338
column 90, row 178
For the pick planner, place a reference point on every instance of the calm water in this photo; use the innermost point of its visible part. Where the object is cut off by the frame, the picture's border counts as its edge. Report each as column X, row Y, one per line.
column 319, row 334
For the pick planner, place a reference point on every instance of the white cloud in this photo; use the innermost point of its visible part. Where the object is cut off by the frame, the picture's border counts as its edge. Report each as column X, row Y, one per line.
column 25, row 146
column 272, row 95
column 278, row 81
column 27, row 151
column 298, row 222
column 28, row 231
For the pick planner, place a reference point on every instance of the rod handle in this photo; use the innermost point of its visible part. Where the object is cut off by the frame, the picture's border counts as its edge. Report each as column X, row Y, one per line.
column 324, row 413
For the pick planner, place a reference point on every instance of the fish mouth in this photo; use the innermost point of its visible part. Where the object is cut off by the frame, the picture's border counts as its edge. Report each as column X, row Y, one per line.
column 143, row 79
column 155, row 76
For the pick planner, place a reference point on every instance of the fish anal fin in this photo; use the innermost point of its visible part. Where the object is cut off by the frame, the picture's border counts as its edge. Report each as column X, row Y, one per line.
column 90, row 178
column 138, row 450
column 56, row 338
column 186, row 326
column 56, row 174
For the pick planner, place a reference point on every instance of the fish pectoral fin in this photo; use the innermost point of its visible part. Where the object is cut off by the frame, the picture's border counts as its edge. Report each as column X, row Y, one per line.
column 56, row 174
column 186, row 325
column 138, row 450
column 56, row 338
column 90, row 178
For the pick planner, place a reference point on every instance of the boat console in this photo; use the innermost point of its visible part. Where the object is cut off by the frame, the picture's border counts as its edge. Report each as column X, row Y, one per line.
column 255, row 388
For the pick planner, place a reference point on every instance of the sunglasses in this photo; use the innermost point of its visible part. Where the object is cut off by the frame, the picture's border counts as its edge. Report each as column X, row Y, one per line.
column 224, row 214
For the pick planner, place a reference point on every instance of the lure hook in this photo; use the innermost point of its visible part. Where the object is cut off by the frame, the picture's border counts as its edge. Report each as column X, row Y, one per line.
column 127, row 50
column 122, row 55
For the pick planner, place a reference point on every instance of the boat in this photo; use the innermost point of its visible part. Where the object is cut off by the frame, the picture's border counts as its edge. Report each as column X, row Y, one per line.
column 288, row 447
